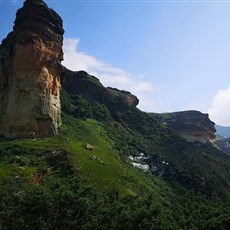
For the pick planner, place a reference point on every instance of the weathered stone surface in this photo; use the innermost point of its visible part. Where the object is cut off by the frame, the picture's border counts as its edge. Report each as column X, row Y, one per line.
column 30, row 70
column 192, row 125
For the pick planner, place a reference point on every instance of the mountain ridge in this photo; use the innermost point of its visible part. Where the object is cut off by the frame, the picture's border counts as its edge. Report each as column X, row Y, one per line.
column 184, row 159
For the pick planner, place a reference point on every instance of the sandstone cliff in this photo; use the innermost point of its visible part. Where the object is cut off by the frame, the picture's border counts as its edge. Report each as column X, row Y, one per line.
column 192, row 125
column 30, row 69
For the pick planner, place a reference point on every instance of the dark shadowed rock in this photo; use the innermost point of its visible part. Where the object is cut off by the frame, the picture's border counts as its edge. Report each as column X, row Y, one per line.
column 81, row 83
column 123, row 95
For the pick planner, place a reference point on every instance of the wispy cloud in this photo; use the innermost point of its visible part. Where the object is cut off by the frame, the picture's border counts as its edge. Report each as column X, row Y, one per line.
column 220, row 109
column 108, row 74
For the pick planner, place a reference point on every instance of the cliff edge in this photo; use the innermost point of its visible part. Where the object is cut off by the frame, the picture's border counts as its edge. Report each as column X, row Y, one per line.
column 30, row 71
column 192, row 125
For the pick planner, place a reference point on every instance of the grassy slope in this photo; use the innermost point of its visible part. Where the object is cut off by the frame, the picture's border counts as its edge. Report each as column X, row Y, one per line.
column 112, row 194
column 56, row 183
column 106, row 171
column 23, row 161
column 102, row 167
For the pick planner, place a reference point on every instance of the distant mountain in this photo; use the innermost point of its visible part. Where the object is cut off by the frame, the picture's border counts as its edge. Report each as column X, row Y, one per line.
column 223, row 138
column 224, row 145
column 223, row 131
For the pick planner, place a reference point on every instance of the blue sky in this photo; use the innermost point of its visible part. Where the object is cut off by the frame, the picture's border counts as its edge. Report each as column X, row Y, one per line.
column 174, row 55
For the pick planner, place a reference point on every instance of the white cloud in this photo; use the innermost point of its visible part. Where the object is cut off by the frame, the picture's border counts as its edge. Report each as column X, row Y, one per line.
column 220, row 109
column 108, row 75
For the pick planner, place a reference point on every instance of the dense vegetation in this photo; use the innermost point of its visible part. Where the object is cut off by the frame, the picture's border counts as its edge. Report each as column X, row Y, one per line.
column 54, row 184
column 60, row 183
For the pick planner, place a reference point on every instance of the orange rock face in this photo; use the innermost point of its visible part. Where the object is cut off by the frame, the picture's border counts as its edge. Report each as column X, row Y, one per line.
column 30, row 69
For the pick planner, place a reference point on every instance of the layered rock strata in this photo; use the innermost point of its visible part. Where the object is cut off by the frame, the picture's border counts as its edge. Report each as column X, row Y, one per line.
column 30, row 70
column 192, row 125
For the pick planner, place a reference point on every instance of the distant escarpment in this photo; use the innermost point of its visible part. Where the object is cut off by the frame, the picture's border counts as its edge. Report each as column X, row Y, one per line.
column 30, row 70
column 192, row 125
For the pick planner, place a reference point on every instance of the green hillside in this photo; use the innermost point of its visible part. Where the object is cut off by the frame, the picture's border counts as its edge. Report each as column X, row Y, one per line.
column 84, row 178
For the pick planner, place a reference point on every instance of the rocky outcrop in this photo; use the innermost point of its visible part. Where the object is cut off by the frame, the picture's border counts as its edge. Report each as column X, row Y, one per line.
column 124, row 96
column 192, row 125
column 81, row 83
column 30, row 70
